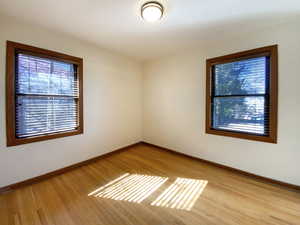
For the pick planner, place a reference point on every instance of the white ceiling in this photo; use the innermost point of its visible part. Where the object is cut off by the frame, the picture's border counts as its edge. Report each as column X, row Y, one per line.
column 116, row 24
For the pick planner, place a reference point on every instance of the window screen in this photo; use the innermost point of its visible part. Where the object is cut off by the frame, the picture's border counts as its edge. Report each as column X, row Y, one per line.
column 47, row 96
column 240, row 96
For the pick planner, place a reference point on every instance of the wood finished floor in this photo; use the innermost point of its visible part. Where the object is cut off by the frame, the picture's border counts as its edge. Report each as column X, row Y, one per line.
column 228, row 198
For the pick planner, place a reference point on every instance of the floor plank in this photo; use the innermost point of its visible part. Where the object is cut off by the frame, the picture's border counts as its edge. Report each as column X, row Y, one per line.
column 154, row 187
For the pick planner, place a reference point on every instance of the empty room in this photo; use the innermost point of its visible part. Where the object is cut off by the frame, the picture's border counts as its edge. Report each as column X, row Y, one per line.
column 140, row 112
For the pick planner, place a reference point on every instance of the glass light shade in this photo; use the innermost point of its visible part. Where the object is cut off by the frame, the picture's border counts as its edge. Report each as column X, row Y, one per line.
column 152, row 11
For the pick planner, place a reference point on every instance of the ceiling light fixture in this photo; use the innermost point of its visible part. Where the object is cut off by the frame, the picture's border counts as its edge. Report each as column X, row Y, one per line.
column 152, row 11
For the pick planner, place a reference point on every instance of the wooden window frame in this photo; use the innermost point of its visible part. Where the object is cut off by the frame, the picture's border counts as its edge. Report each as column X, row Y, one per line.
column 272, row 52
column 12, row 48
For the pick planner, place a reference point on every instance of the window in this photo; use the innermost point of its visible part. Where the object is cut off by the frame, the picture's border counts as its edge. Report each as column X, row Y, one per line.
column 242, row 95
column 44, row 94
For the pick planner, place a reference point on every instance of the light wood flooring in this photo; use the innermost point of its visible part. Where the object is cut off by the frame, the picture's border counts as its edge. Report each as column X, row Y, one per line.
column 148, row 186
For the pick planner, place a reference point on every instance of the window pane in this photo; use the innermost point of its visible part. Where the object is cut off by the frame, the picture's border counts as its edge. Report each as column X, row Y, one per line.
column 241, row 77
column 242, row 114
column 45, row 76
column 44, row 115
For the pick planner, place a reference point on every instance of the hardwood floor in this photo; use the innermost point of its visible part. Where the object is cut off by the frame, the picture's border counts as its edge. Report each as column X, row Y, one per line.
column 149, row 186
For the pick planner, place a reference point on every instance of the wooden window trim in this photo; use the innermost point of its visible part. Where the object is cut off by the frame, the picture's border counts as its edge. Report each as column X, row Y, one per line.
column 272, row 52
column 11, row 49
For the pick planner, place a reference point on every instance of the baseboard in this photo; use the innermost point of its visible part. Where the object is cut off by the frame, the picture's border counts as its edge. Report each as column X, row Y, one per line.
column 63, row 170
column 83, row 163
column 260, row 178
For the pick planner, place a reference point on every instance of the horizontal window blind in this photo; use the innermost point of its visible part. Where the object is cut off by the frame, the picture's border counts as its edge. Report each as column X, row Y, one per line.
column 240, row 96
column 47, row 96
column 241, row 77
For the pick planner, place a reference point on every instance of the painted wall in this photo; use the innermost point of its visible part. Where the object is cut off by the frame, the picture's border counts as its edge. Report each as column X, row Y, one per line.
column 112, row 106
column 168, row 103
column 174, row 106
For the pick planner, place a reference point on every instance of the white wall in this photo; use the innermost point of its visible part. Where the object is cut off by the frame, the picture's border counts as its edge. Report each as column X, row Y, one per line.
column 112, row 106
column 174, row 107
column 172, row 103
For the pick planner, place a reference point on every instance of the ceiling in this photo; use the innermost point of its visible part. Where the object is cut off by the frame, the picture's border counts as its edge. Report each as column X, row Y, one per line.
column 116, row 24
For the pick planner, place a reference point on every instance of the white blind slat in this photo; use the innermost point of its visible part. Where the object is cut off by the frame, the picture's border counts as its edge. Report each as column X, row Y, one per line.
column 240, row 96
column 46, row 100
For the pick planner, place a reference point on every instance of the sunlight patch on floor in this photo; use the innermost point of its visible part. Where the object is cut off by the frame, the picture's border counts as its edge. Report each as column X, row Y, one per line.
column 182, row 194
column 130, row 187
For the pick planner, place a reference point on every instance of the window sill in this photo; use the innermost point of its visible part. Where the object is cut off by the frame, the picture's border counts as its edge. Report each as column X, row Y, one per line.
column 20, row 141
column 253, row 137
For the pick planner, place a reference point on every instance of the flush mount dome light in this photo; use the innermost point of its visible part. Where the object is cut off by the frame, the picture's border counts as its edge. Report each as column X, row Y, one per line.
column 152, row 11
